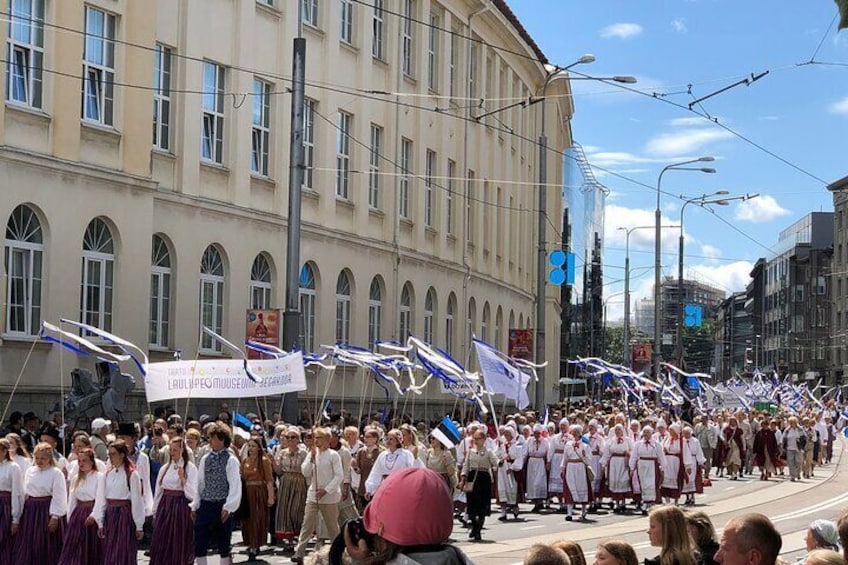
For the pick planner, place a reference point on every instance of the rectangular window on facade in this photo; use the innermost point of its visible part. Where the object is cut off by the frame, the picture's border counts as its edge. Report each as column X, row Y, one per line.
column 403, row 185
column 343, row 132
column 375, row 315
column 407, row 38
column 308, row 142
column 160, row 306
column 472, row 69
column 212, row 134
column 261, row 132
column 433, row 53
column 378, row 30
column 98, row 67
column 374, row 166
column 22, row 264
column 97, row 287
column 346, row 33
column 429, row 172
column 469, row 210
column 307, row 318
column 309, row 12
column 25, row 52
column 449, row 213
column 162, row 97
column 454, row 62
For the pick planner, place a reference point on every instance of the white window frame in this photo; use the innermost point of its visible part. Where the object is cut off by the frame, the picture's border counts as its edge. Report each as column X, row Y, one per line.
column 408, row 39
column 309, row 12
column 429, row 315
column 100, row 314
column 160, row 295
column 25, row 53
column 346, row 32
column 309, row 142
column 429, row 172
column 449, row 211
column 375, row 313
column 306, row 295
column 469, row 209
column 405, row 315
column 212, row 116
column 433, row 53
column 403, row 181
column 472, row 69
column 484, row 325
column 162, row 73
column 378, row 28
column 98, row 68
column 453, row 64
column 374, row 166
column 260, row 283
column 27, row 245
column 343, row 131
column 212, row 293
column 260, row 139
column 449, row 326
column 343, row 304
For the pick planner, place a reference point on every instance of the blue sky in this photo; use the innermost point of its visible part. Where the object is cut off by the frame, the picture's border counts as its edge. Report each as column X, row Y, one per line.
column 799, row 113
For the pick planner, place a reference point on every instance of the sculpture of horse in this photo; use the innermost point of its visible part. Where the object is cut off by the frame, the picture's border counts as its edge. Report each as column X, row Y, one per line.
column 107, row 398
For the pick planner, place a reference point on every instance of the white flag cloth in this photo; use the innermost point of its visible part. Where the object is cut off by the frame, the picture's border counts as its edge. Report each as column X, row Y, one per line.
column 500, row 376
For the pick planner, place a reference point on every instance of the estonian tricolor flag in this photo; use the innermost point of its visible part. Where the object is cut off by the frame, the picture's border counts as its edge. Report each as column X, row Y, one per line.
column 447, row 433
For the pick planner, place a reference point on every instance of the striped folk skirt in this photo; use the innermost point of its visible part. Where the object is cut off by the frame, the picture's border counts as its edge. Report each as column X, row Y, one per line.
column 291, row 506
column 5, row 528
column 254, row 526
column 34, row 543
column 173, row 532
column 81, row 545
column 120, row 546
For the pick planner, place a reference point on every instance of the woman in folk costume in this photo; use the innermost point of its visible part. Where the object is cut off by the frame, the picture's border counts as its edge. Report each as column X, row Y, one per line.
column 411, row 444
column 390, row 461
column 119, row 508
column 694, row 467
column 646, row 462
column 42, row 525
column 11, row 500
column 477, row 470
column 766, row 451
column 557, row 446
column 537, row 449
column 510, row 461
column 674, row 466
column 617, row 482
column 576, row 471
column 596, row 448
column 735, row 448
column 291, row 496
column 82, row 544
column 440, row 460
column 176, row 487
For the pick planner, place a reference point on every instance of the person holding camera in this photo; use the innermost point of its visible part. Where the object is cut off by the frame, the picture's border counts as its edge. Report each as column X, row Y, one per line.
column 476, row 482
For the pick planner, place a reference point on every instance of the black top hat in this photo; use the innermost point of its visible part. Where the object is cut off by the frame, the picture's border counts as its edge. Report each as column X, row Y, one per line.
column 49, row 430
column 127, row 429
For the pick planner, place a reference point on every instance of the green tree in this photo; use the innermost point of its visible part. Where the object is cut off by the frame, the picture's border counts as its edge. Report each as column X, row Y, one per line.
column 614, row 345
column 699, row 347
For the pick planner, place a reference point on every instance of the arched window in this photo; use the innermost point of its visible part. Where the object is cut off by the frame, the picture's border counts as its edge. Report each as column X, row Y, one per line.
column 260, row 283
column 405, row 328
column 375, row 312
column 487, row 319
column 160, row 293
column 450, row 312
column 23, row 251
column 307, row 306
column 98, row 268
column 498, row 343
column 470, row 321
column 343, row 308
column 429, row 314
column 211, row 297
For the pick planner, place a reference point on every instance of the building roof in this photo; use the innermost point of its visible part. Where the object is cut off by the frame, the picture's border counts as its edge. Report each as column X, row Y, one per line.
column 841, row 184
column 513, row 19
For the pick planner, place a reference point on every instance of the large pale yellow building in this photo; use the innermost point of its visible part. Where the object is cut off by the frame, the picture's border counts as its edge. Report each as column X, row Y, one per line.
column 144, row 162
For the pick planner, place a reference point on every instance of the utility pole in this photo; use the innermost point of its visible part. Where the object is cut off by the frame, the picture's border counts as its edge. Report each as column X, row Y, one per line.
column 292, row 338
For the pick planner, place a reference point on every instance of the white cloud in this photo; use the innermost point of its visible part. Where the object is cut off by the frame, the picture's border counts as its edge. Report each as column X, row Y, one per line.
column 688, row 122
column 710, row 252
column 840, row 107
column 760, row 210
column 731, row 277
column 640, row 239
column 769, row 118
column 679, row 25
column 685, row 141
column 621, row 31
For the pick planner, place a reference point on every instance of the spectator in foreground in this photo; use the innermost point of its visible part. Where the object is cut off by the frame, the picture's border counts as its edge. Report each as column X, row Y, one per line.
column 667, row 530
column 842, row 529
column 615, row 552
column 573, row 550
column 541, row 554
column 822, row 534
column 703, row 535
column 823, row 557
column 750, row 539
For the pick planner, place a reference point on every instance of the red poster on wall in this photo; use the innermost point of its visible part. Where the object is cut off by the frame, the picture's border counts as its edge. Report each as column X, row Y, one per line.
column 520, row 344
column 263, row 326
column 641, row 356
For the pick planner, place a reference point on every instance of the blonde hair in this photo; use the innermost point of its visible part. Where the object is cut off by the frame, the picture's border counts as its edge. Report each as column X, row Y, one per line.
column 44, row 447
column 824, row 557
column 4, row 443
column 676, row 545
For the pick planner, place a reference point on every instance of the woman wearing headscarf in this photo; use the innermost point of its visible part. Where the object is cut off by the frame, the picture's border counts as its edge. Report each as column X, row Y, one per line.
column 577, row 474
column 735, row 450
column 557, row 447
column 616, row 483
column 390, row 461
column 537, row 449
column 821, row 534
column 646, row 461
column 693, row 462
column 510, row 461
column 675, row 474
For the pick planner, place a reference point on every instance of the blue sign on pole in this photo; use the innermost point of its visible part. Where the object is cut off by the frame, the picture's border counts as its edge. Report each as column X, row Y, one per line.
column 563, row 271
column 692, row 315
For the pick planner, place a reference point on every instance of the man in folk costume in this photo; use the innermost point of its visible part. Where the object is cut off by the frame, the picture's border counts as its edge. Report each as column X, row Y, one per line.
column 748, row 432
column 510, row 461
column 734, row 448
column 616, row 483
column 557, row 444
column 596, row 447
column 707, row 436
column 577, row 474
column 674, row 468
column 646, row 462
column 766, row 451
column 537, row 477
column 693, row 464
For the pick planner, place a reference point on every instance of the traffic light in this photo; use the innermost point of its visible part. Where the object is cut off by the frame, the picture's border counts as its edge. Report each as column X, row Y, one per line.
column 563, row 268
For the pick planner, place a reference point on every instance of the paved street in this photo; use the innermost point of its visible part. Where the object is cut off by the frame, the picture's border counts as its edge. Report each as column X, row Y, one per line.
column 792, row 506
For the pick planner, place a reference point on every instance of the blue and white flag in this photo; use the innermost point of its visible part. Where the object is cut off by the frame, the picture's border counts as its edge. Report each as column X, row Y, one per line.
column 447, row 433
column 500, row 376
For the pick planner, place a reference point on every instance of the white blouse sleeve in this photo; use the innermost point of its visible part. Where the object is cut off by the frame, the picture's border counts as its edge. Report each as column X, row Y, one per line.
column 59, row 502
column 137, row 501
column 99, row 510
column 17, row 493
column 191, row 485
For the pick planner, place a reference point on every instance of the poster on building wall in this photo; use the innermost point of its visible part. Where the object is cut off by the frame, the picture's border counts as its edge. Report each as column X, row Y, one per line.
column 520, row 344
column 263, row 326
column 641, row 357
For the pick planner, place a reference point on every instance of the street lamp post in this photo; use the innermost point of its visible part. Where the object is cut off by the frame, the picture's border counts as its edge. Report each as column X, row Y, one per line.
column 658, row 249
